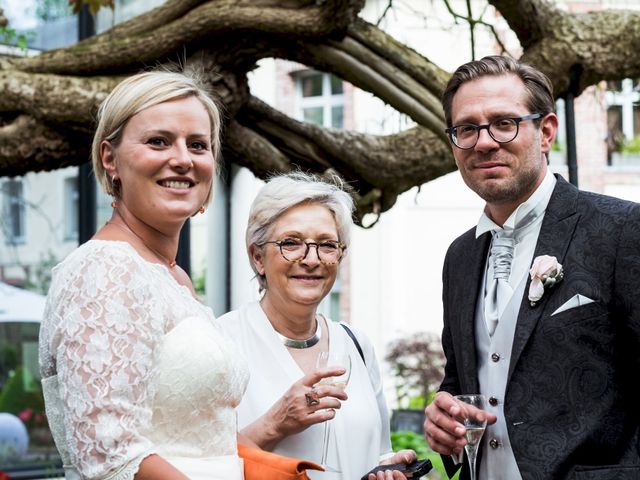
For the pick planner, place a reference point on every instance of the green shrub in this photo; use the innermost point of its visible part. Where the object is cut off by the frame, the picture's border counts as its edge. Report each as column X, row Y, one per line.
column 14, row 398
column 411, row 440
column 8, row 360
column 631, row 146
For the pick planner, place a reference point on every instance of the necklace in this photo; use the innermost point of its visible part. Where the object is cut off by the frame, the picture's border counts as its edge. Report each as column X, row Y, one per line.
column 171, row 263
column 309, row 342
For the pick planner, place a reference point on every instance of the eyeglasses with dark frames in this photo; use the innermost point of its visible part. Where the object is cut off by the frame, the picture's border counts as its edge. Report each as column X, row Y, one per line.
column 502, row 130
column 294, row 249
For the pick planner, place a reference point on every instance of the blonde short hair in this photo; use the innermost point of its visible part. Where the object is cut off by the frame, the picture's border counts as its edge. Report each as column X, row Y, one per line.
column 138, row 93
column 283, row 192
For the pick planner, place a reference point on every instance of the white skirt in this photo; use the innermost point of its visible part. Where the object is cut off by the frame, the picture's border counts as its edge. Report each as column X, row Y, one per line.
column 224, row 467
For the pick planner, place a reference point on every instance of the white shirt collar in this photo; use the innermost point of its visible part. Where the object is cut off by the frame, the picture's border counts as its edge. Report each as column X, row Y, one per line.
column 525, row 213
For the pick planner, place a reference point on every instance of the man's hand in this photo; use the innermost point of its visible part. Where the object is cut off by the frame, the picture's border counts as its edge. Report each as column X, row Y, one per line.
column 442, row 427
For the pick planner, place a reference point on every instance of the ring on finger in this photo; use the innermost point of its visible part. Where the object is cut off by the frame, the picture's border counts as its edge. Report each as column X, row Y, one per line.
column 312, row 398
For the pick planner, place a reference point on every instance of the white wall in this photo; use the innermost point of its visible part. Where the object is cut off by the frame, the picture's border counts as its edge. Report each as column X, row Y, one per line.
column 44, row 222
column 396, row 266
column 244, row 187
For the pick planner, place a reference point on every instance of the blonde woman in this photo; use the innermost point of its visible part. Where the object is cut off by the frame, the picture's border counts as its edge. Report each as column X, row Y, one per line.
column 138, row 381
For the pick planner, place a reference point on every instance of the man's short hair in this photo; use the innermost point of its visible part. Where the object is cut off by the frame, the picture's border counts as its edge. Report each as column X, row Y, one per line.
column 538, row 85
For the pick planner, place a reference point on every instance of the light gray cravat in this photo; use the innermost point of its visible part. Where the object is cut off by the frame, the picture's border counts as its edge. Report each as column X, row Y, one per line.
column 498, row 289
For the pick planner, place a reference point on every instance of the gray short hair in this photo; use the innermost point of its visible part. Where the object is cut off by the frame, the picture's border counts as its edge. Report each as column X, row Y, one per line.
column 137, row 93
column 539, row 88
column 283, row 192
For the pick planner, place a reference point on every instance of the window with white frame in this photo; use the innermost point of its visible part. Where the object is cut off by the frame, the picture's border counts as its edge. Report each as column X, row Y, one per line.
column 320, row 99
column 623, row 120
column 13, row 206
column 71, row 198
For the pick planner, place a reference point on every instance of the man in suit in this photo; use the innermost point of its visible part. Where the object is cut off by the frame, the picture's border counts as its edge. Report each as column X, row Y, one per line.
column 558, row 360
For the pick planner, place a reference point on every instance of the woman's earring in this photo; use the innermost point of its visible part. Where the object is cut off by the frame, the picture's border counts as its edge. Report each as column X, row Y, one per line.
column 114, row 186
column 114, row 204
column 201, row 210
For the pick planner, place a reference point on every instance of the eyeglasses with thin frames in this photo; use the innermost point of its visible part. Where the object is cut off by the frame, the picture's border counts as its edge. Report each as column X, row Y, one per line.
column 501, row 130
column 294, row 249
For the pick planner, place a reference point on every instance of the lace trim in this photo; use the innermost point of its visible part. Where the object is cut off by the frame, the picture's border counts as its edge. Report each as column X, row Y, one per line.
column 128, row 471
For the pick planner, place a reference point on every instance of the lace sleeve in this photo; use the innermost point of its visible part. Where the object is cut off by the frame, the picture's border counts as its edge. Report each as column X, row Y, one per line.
column 104, row 331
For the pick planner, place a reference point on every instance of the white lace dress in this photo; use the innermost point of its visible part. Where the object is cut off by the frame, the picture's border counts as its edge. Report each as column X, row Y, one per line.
column 131, row 365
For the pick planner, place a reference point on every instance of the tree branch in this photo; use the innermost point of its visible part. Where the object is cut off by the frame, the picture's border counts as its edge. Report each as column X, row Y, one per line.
column 391, row 164
column 529, row 19
column 39, row 147
column 249, row 149
column 381, row 81
column 429, row 75
column 388, row 70
column 214, row 18
column 54, row 98
column 598, row 42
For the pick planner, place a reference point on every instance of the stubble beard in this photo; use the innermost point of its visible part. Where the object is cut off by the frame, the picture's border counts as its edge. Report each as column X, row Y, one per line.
column 517, row 187
column 507, row 190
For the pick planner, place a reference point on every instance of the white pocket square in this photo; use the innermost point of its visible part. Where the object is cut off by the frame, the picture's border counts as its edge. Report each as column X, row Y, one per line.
column 575, row 301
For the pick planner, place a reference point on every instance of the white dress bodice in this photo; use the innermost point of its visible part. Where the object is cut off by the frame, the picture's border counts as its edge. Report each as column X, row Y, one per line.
column 132, row 364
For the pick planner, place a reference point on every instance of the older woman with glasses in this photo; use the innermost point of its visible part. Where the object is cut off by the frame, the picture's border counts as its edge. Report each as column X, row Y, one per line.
column 297, row 235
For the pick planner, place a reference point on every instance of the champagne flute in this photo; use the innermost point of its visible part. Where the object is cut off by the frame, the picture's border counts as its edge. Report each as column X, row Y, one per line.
column 474, row 426
column 332, row 360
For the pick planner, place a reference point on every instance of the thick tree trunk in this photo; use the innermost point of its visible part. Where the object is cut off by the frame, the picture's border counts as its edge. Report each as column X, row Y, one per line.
column 48, row 102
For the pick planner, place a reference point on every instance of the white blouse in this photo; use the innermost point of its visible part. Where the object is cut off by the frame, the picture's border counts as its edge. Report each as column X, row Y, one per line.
column 360, row 430
column 132, row 364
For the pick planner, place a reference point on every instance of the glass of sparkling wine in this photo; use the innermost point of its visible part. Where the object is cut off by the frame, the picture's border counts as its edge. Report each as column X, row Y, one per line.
column 332, row 360
column 471, row 404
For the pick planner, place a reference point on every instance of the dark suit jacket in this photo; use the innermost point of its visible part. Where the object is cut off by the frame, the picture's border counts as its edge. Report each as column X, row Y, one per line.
column 572, row 405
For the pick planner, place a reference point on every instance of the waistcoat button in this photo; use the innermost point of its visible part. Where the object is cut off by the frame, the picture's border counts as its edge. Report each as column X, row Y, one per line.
column 493, row 443
column 495, row 357
column 493, row 401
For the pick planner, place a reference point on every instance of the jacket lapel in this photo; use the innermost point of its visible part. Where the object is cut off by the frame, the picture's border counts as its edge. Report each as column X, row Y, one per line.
column 471, row 278
column 555, row 236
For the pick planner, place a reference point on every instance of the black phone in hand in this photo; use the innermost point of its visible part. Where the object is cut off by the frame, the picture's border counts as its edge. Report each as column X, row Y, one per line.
column 413, row 470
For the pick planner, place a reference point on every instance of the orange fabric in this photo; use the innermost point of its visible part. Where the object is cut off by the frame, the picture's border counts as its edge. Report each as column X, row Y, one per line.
column 262, row 465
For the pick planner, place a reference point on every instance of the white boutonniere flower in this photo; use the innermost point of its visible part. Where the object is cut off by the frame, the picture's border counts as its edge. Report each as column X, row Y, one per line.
column 545, row 273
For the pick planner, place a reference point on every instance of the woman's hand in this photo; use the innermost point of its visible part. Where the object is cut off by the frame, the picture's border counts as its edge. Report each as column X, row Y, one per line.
column 403, row 456
column 304, row 404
